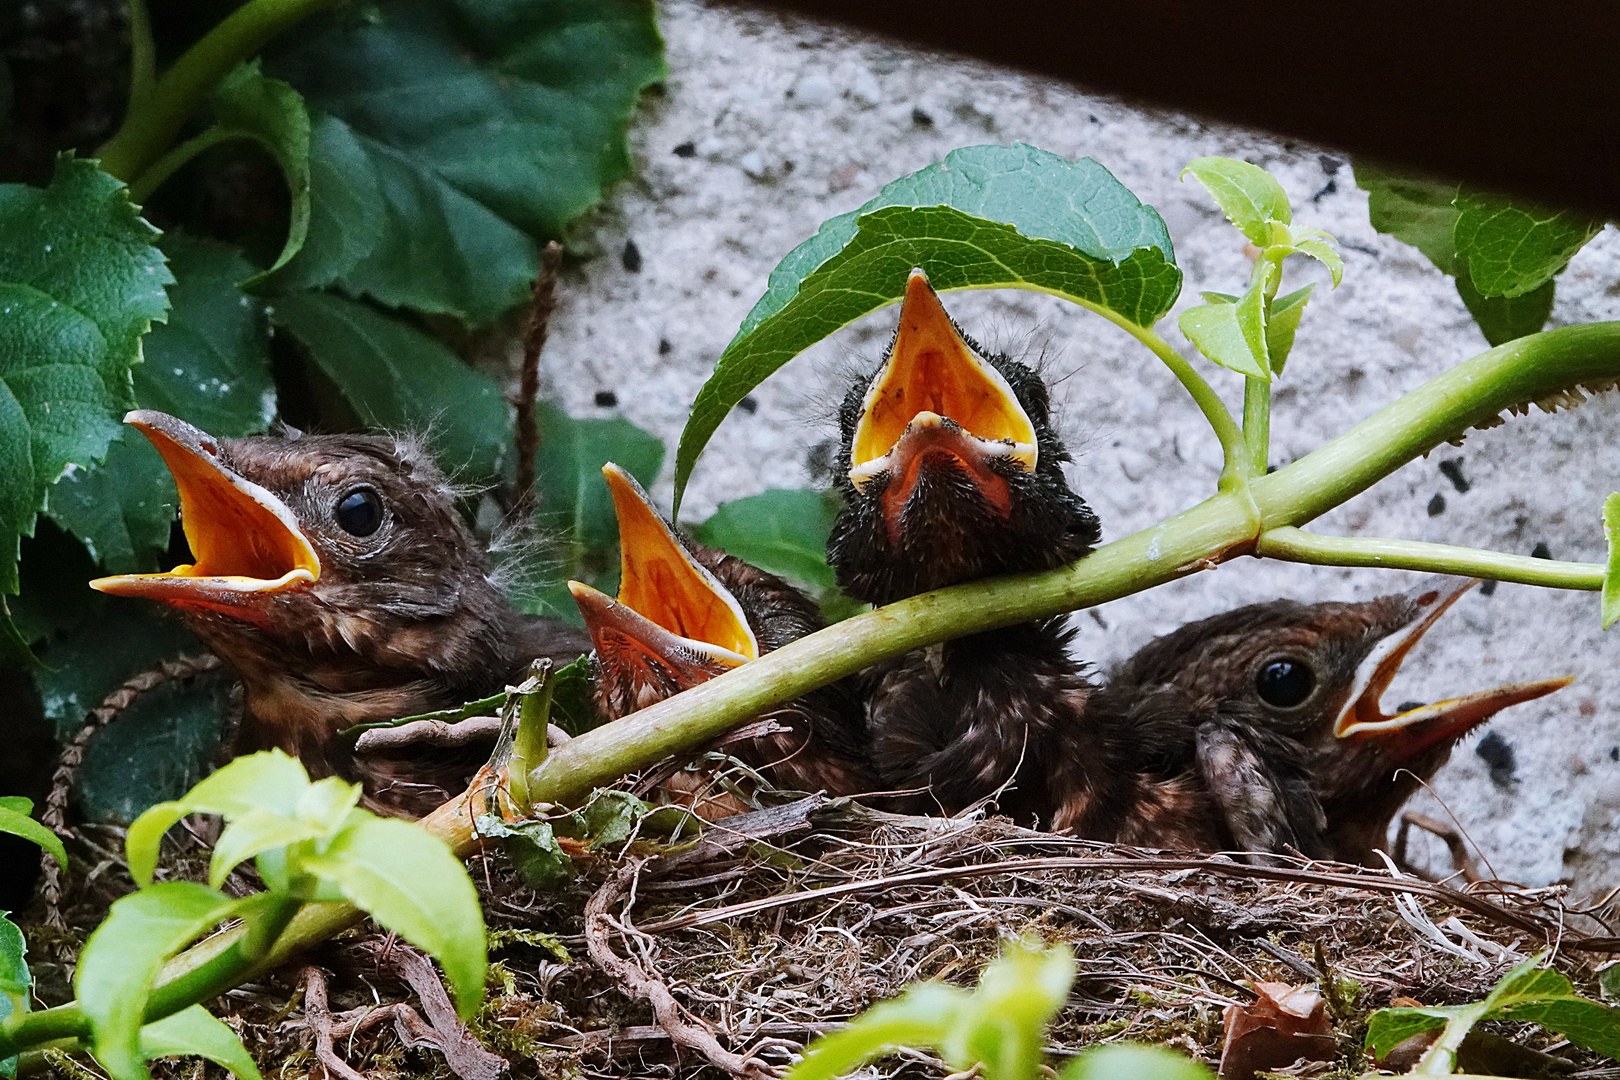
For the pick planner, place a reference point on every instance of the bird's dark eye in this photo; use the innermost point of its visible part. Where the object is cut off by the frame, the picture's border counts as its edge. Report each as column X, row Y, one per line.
column 359, row 513
column 1284, row 684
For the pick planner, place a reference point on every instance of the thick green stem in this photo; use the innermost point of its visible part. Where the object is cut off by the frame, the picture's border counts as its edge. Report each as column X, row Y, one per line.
column 1295, row 545
column 151, row 128
column 142, row 55
column 141, row 188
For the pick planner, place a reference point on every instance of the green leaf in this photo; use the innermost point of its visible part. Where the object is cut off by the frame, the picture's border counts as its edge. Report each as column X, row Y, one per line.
column 15, row 982
column 568, row 470
column 922, row 1016
column 469, row 130
column 1611, row 576
column 270, row 780
column 1412, row 209
column 1003, row 1026
column 610, row 817
column 782, row 531
column 1249, row 196
column 1130, row 1061
column 209, row 365
column 409, row 882
column 249, row 104
column 395, row 376
column 1388, row 1028
column 532, row 846
column 1513, row 247
column 116, row 641
column 80, row 282
column 1283, row 324
column 985, row 217
column 1234, row 335
column 1323, row 252
column 15, row 811
column 194, row 1032
column 124, row 955
column 1505, row 318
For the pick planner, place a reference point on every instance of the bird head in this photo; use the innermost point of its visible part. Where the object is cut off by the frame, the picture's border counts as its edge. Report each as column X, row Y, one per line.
column 684, row 613
column 309, row 548
column 1317, row 673
column 949, row 466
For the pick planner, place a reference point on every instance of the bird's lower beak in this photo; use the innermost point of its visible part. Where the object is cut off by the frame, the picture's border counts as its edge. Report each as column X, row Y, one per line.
column 245, row 541
column 669, row 609
column 1425, row 725
column 933, row 375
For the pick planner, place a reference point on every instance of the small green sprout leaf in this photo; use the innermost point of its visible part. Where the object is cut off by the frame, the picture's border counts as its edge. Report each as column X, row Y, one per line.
column 1323, row 252
column 15, row 819
column 1000, row 1027
column 1249, row 196
column 1611, row 576
column 122, row 958
column 1282, row 325
column 1234, row 335
column 923, row 1016
column 268, row 781
column 194, row 1032
column 1512, row 247
column 986, row 217
column 409, row 882
column 1130, row 1061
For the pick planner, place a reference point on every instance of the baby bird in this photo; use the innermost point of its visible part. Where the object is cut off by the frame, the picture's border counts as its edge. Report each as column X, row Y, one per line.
column 334, row 574
column 1274, row 708
column 686, row 613
column 951, row 471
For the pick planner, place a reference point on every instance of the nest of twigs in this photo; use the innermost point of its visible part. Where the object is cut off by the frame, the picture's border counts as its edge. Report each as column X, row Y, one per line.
column 729, row 954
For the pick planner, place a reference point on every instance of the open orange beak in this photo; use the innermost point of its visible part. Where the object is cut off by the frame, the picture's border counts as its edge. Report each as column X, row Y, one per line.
column 1422, row 727
column 247, row 543
column 670, row 610
column 937, row 395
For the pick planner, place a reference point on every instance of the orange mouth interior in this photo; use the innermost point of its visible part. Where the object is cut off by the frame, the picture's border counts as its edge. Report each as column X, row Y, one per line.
column 661, row 582
column 245, row 541
column 1425, row 725
column 931, row 369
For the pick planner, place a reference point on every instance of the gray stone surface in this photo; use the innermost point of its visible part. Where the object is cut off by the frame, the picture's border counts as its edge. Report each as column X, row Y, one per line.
column 769, row 126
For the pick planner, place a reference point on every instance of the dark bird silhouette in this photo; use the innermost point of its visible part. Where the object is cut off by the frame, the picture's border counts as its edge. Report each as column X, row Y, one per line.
column 1274, row 710
column 951, row 471
column 686, row 613
column 335, row 575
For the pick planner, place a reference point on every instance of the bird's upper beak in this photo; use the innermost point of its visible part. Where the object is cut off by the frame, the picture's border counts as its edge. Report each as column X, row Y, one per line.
column 246, row 542
column 1420, row 728
column 670, row 610
column 936, row 395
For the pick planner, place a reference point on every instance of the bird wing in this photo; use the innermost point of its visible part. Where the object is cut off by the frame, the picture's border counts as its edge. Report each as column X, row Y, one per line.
column 1258, row 781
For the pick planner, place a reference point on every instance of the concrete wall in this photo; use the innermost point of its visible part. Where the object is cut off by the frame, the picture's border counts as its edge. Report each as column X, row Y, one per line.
column 769, row 126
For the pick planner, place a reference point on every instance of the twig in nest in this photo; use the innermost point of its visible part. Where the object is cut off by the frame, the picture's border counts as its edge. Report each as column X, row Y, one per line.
column 72, row 756
column 428, row 733
column 319, row 1017
column 443, row 1029
column 534, row 340
column 643, row 984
